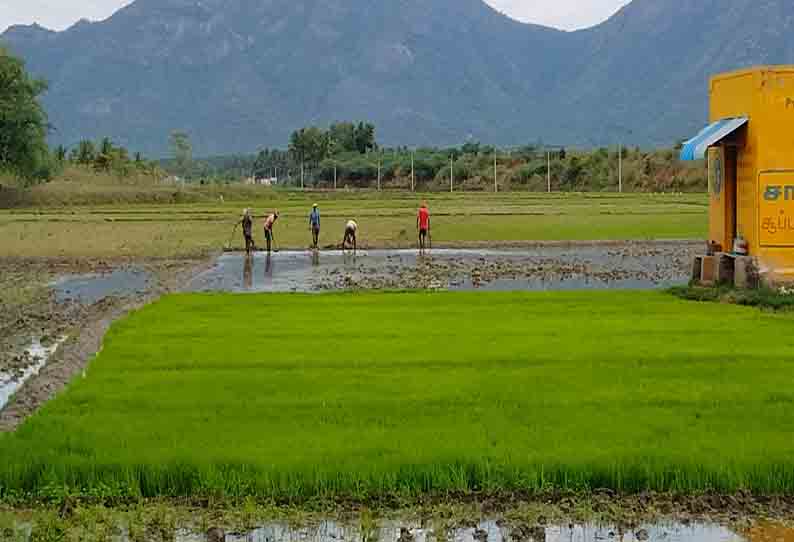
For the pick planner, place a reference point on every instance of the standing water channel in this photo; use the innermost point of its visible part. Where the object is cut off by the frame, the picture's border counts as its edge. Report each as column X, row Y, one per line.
column 483, row 531
column 616, row 266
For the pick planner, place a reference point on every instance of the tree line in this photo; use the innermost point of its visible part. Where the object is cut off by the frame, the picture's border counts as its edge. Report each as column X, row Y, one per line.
column 103, row 157
column 343, row 154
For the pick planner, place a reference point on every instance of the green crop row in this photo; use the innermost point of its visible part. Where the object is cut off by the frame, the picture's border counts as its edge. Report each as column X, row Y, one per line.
column 368, row 395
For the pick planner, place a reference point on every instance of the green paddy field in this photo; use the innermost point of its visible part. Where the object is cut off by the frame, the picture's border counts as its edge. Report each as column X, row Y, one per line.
column 58, row 227
column 364, row 396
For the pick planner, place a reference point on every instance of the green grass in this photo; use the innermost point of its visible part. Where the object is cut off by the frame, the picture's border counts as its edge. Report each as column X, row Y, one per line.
column 366, row 395
column 386, row 220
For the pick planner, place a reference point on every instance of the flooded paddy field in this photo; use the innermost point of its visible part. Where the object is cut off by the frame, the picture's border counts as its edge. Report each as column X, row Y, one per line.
column 53, row 316
column 552, row 267
column 64, row 296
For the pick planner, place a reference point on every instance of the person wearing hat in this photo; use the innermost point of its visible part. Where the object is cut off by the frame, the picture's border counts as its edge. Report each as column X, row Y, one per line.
column 269, row 223
column 314, row 223
column 351, row 232
column 248, row 233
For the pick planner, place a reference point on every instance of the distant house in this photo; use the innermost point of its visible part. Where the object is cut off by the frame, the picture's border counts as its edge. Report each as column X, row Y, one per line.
column 262, row 181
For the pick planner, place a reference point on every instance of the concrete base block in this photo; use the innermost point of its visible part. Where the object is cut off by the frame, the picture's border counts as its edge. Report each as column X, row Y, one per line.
column 697, row 268
column 745, row 273
column 725, row 268
column 708, row 270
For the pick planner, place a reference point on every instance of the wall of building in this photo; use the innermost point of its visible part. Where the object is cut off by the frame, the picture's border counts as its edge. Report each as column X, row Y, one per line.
column 765, row 164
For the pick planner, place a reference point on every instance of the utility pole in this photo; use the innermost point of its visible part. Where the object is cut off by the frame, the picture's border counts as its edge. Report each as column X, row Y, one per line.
column 620, row 167
column 548, row 171
column 495, row 173
column 334, row 175
column 379, row 173
column 413, row 173
column 451, row 175
column 303, row 174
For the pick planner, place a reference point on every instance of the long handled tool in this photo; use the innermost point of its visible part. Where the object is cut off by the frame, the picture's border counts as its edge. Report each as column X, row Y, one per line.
column 231, row 237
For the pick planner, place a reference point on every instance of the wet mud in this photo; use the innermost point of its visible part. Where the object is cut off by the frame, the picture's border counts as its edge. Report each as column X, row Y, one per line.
column 556, row 267
column 242, row 525
column 483, row 531
column 26, row 365
column 58, row 317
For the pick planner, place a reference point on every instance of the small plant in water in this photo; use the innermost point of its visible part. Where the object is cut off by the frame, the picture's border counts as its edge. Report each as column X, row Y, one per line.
column 369, row 526
column 48, row 528
column 162, row 524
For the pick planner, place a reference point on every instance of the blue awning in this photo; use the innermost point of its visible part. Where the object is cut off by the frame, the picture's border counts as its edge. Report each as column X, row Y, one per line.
column 695, row 148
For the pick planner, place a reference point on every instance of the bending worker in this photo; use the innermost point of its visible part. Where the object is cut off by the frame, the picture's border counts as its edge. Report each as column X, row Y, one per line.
column 423, row 225
column 314, row 223
column 351, row 229
column 269, row 223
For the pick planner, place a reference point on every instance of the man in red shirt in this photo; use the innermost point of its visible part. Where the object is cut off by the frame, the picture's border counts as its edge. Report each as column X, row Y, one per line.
column 423, row 225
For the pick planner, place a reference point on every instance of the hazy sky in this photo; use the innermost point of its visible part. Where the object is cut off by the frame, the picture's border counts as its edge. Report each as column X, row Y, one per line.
column 58, row 14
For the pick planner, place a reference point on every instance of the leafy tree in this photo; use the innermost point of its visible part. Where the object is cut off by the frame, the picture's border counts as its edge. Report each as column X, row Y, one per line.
column 85, row 153
column 309, row 144
column 183, row 151
column 60, row 154
column 365, row 138
column 23, row 122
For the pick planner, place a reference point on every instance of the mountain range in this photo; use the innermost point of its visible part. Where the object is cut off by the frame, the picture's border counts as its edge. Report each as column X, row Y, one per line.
column 238, row 75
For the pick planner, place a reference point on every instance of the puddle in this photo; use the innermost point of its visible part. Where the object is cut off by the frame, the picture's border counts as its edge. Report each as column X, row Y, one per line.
column 34, row 358
column 91, row 288
column 630, row 266
column 486, row 531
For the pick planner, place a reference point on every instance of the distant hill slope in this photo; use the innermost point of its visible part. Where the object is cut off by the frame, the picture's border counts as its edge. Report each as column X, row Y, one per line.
column 239, row 74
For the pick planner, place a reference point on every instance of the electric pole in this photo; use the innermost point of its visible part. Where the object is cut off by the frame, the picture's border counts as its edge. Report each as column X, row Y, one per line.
column 413, row 173
column 620, row 168
column 495, row 173
column 451, row 175
column 548, row 172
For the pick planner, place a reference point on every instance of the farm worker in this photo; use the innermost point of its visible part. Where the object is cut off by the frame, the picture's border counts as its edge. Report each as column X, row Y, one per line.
column 269, row 222
column 351, row 229
column 423, row 225
column 248, row 234
column 314, row 223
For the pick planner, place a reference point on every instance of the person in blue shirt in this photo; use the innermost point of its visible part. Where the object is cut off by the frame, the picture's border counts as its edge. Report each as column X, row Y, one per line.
column 314, row 222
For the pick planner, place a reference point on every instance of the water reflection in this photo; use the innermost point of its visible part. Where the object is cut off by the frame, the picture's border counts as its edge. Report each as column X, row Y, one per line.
column 484, row 531
column 631, row 266
column 268, row 268
column 248, row 272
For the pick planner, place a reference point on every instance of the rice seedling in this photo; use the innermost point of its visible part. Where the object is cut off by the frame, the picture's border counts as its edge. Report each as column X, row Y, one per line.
column 301, row 397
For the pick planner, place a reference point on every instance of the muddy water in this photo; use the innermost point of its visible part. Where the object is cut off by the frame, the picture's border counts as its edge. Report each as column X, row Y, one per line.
column 31, row 361
column 488, row 531
column 628, row 266
column 91, row 288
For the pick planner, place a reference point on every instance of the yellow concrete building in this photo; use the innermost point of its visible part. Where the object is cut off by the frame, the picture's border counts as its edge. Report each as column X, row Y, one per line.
column 750, row 151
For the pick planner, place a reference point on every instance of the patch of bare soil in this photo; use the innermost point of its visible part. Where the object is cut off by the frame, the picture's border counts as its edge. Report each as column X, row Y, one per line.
column 32, row 313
